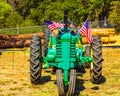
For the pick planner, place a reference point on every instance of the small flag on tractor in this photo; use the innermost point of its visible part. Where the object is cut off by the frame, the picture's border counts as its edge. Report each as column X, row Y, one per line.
column 53, row 25
column 85, row 30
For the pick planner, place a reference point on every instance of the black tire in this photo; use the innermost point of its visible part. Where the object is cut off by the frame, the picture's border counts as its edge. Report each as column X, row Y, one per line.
column 87, row 53
column 60, row 82
column 46, row 40
column 96, row 65
column 72, row 84
column 35, row 57
column 54, row 70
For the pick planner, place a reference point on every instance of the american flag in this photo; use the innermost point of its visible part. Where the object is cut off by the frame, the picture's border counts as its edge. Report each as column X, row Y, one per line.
column 72, row 25
column 85, row 30
column 53, row 25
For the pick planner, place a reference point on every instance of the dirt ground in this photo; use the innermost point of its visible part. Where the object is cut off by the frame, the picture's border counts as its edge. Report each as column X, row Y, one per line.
column 15, row 79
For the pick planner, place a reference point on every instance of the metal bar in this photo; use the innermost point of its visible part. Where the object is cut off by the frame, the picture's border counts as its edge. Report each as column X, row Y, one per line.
column 20, row 28
column 13, row 61
column 4, row 50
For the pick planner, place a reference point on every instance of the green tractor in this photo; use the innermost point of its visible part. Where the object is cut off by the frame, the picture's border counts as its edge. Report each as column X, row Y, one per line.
column 65, row 52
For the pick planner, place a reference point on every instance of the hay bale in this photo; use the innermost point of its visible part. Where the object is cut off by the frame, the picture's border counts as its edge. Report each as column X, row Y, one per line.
column 84, row 40
column 103, row 31
column 110, row 39
column 117, row 38
column 105, row 40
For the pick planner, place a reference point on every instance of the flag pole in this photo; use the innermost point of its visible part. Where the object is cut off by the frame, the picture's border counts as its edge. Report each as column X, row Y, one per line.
column 65, row 20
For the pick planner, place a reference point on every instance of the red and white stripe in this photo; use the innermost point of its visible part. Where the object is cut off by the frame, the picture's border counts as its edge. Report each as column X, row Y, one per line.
column 87, row 33
column 55, row 26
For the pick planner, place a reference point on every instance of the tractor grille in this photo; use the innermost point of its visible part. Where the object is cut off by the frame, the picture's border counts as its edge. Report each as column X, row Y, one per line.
column 72, row 50
column 58, row 50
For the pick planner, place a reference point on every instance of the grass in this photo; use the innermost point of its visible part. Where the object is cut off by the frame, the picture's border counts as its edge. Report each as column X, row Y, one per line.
column 22, row 30
column 15, row 80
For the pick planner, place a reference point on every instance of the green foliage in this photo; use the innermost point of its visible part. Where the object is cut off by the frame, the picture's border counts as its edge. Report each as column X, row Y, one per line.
column 30, row 30
column 5, row 11
column 25, row 6
column 35, row 12
column 27, row 22
column 79, row 11
column 13, row 20
column 114, row 15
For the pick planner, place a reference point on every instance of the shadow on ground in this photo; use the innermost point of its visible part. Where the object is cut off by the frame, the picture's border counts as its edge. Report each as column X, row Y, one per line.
column 45, row 79
column 80, row 85
column 79, row 82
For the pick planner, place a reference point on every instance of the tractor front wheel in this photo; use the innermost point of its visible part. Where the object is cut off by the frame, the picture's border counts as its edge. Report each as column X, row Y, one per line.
column 72, row 84
column 60, row 82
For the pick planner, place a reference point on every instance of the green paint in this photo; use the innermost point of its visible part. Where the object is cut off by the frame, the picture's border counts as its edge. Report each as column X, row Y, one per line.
column 65, row 52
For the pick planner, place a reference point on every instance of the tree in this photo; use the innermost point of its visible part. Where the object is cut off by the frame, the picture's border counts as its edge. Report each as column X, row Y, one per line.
column 114, row 15
column 35, row 12
column 5, row 11
column 13, row 20
column 25, row 6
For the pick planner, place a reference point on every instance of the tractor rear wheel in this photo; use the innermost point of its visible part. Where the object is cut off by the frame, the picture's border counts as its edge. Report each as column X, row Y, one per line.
column 87, row 53
column 60, row 82
column 72, row 84
column 96, row 65
column 46, row 40
column 35, row 57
